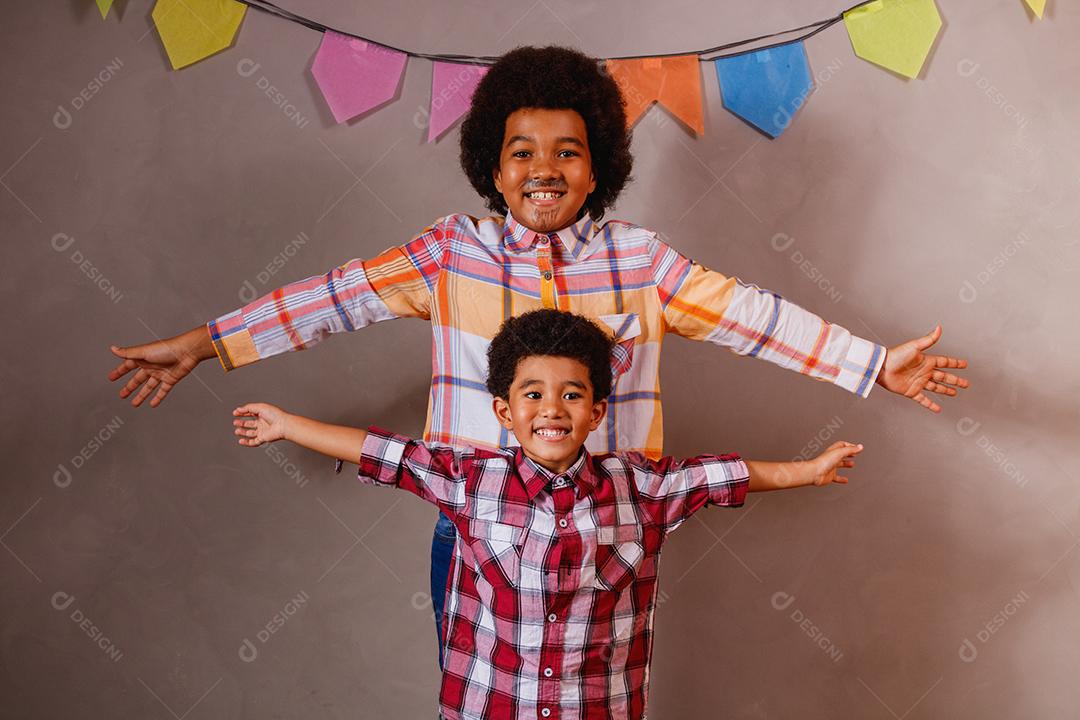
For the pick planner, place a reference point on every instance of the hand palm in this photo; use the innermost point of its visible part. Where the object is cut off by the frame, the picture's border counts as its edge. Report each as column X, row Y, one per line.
column 908, row 371
column 160, row 364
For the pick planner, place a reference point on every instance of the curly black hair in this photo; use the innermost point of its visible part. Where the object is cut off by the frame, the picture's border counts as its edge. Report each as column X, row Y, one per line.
column 553, row 333
column 551, row 77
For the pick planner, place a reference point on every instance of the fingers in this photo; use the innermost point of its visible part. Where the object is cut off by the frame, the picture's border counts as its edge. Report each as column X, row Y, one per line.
column 145, row 391
column 939, row 388
column 947, row 361
column 929, row 339
column 949, row 378
column 927, row 403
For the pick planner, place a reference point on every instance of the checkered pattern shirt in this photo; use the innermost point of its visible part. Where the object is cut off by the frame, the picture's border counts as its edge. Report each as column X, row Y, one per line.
column 467, row 275
column 549, row 611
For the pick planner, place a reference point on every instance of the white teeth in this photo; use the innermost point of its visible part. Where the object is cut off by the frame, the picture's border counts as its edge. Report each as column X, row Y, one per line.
column 543, row 195
column 551, row 433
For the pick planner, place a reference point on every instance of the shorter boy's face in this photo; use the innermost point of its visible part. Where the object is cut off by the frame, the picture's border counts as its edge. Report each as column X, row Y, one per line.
column 551, row 409
column 542, row 150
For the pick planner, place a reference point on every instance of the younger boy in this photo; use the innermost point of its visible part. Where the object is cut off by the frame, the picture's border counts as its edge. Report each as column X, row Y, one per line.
column 549, row 608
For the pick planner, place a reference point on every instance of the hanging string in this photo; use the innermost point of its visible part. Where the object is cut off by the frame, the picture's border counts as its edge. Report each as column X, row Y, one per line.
column 714, row 53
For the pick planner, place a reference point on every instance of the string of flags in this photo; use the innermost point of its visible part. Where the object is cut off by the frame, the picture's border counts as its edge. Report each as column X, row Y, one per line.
column 764, row 86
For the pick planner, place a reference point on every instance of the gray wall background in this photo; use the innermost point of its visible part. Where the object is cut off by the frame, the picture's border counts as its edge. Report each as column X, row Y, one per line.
column 943, row 582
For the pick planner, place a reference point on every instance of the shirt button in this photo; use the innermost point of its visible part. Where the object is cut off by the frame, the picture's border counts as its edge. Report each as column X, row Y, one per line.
column 547, row 672
column 545, row 712
column 547, row 275
column 552, row 617
column 562, row 522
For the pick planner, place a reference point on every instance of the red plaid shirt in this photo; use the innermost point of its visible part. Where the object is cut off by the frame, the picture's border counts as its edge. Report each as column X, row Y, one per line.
column 549, row 607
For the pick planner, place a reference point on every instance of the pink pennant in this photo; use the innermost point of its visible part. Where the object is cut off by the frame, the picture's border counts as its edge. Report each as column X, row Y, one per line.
column 452, row 88
column 355, row 75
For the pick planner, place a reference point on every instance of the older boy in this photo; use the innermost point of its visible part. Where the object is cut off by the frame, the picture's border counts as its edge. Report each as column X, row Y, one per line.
column 550, row 613
column 546, row 145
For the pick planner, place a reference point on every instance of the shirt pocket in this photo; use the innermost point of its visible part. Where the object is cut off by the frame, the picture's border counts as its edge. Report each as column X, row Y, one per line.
column 497, row 549
column 625, row 328
column 619, row 554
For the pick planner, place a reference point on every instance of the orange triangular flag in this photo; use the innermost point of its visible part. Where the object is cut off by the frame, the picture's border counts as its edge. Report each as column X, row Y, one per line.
column 674, row 82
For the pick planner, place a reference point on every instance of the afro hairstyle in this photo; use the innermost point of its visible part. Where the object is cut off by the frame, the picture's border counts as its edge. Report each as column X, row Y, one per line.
column 557, row 78
column 552, row 333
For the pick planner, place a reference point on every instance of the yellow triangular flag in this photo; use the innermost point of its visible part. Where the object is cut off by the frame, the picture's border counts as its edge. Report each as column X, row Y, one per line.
column 103, row 7
column 1037, row 7
column 895, row 34
column 191, row 30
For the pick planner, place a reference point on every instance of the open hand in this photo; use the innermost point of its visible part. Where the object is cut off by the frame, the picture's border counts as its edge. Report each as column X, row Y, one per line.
column 908, row 371
column 161, row 364
column 840, row 454
column 258, row 423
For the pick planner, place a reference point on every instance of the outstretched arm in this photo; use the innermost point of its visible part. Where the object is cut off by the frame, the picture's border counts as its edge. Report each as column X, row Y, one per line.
column 821, row 470
column 258, row 423
column 702, row 304
column 397, row 283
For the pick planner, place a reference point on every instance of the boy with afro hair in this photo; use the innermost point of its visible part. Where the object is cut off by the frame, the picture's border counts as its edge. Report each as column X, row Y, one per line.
column 545, row 143
column 550, row 613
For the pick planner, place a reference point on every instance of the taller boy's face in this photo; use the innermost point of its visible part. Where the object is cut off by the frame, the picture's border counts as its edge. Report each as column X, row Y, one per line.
column 551, row 409
column 545, row 169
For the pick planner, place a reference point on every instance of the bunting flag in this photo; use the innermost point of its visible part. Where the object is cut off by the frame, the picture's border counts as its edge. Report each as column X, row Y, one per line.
column 355, row 75
column 674, row 82
column 191, row 30
column 765, row 88
column 452, row 88
column 895, row 34
column 103, row 7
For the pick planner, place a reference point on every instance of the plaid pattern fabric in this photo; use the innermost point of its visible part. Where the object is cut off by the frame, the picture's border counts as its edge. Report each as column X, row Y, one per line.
column 549, row 611
column 466, row 275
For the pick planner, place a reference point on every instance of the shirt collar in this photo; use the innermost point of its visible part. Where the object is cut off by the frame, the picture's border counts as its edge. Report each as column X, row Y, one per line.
column 536, row 477
column 518, row 239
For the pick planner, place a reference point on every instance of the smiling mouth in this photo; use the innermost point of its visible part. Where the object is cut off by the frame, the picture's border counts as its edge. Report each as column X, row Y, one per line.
column 552, row 434
column 544, row 195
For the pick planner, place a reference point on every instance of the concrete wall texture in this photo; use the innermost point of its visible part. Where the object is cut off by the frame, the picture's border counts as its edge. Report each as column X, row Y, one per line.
column 153, row 568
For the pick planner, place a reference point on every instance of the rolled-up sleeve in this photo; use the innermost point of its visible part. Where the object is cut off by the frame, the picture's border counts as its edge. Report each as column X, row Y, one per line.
column 702, row 304
column 673, row 489
column 433, row 472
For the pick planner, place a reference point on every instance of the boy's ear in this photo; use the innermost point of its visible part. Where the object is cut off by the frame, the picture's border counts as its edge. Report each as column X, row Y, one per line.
column 501, row 408
column 592, row 182
column 496, row 175
column 599, row 410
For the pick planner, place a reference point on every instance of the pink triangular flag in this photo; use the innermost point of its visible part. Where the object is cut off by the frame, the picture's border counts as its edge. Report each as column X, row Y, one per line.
column 452, row 88
column 355, row 75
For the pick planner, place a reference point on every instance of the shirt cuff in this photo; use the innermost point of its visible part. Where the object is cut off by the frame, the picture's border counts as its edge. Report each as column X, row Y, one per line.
column 860, row 367
column 381, row 456
column 231, row 341
column 729, row 490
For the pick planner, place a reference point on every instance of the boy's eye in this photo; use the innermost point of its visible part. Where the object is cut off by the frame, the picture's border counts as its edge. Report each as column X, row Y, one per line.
column 570, row 152
column 533, row 395
column 520, row 153
column 572, row 395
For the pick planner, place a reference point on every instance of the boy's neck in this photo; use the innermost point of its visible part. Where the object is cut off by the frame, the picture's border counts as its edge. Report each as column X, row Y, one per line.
column 556, row 467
